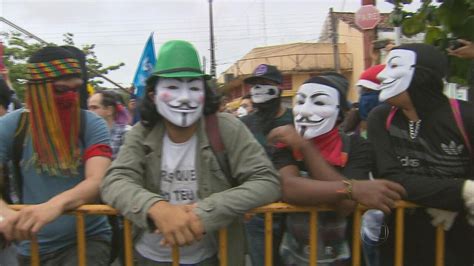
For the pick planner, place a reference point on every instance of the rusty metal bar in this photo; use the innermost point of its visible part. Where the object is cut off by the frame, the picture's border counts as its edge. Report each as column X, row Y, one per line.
column 81, row 240
column 399, row 231
column 439, row 259
column 127, row 231
column 223, row 255
column 268, row 239
column 175, row 255
column 356, row 243
column 35, row 258
column 313, row 238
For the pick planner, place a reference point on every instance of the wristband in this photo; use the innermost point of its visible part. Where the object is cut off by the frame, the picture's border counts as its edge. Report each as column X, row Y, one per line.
column 347, row 191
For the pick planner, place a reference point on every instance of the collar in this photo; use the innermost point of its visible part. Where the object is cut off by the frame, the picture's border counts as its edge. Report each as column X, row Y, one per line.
column 158, row 131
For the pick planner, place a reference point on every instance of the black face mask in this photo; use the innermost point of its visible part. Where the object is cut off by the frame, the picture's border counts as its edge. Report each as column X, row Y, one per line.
column 266, row 113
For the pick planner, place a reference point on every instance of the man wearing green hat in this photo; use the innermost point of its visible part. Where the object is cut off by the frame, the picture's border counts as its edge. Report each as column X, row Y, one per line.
column 168, row 181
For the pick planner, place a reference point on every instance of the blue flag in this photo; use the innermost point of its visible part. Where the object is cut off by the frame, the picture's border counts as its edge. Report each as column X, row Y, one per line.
column 145, row 67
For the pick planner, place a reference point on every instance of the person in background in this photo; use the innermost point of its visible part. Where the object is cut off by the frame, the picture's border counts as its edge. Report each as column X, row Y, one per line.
column 168, row 181
column 269, row 113
column 245, row 106
column 107, row 104
column 423, row 141
column 5, row 97
column 464, row 49
column 7, row 252
column 63, row 159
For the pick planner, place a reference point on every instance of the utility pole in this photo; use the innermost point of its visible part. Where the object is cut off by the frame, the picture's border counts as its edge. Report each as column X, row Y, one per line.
column 335, row 47
column 211, row 29
column 31, row 35
column 264, row 23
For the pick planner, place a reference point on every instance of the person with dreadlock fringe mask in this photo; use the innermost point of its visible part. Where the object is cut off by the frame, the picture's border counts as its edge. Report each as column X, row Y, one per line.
column 422, row 140
column 64, row 155
column 269, row 113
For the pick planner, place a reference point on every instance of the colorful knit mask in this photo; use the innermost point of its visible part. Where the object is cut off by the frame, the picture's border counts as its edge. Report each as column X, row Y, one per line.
column 56, row 152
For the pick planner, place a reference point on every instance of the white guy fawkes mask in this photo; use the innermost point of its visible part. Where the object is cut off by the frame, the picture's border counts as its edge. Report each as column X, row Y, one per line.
column 397, row 74
column 180, row 100
column 316, row 109
column 263, row 93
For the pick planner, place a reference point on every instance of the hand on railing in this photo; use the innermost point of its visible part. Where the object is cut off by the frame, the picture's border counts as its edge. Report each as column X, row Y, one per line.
column 377, row 194
column 8, row 219
column 178, row 224
column 26, row 223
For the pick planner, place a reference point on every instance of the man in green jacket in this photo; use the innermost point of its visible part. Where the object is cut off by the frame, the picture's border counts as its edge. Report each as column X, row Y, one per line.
column 167, row 179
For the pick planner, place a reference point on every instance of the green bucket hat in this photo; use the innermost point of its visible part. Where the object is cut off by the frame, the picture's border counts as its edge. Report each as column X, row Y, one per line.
column 178, row 59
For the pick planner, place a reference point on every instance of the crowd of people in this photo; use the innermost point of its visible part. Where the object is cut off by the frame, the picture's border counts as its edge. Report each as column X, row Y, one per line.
column 180, row 170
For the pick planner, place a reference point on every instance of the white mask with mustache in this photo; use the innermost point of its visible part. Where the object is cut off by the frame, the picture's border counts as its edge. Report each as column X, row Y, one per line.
column 316, row 109
column 397, row 75
column 180, row 100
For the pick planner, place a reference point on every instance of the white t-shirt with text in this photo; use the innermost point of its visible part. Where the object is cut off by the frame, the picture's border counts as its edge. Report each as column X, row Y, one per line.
column 179, row 185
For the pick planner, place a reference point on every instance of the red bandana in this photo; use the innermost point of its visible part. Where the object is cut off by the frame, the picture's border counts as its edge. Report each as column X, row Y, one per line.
column 64, row 103
column 330, row 146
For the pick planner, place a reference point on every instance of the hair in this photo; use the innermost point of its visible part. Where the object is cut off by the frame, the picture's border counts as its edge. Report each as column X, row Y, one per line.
column 115, row 100
column 149, row 114
column 339, row 83
column 426, row 91
column 5, row 94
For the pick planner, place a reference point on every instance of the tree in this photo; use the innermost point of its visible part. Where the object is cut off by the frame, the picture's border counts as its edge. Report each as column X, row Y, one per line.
column 441, row 23
column 18, row 48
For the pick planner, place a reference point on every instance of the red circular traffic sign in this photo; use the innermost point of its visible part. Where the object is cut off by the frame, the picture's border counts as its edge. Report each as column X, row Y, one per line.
column 367, row 17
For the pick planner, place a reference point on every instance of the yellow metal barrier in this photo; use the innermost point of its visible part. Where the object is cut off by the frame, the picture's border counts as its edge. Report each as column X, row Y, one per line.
column 268, row 210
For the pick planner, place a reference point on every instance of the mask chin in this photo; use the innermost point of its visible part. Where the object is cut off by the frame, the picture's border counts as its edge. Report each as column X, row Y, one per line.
column 309, row 131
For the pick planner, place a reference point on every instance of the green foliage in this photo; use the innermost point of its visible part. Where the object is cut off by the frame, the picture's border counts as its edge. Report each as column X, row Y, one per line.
column 18, row 48
column 440, row 23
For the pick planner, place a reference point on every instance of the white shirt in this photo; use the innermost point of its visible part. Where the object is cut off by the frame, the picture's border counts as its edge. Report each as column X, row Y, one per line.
column 179, row 185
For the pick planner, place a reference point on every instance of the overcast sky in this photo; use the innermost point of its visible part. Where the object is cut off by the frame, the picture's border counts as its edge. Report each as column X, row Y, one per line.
column 120, row 28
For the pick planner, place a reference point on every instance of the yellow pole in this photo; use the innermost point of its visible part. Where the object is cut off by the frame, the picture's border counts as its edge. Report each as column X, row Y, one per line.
column 223, row 247
column 356, row 237
column 127, row 230
column 175, row 256
column 35, row 260
column 268, row 239
column 313, row 238
column 439, row 246
column 399, row 231
column 81, row 239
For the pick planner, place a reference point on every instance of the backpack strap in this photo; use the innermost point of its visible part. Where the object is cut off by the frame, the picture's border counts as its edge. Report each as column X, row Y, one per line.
column 390, row 116
column 215, row 138
column 459, row 122
column 17, row 152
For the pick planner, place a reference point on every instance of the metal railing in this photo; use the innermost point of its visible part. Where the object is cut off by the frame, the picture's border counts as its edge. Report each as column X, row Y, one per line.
column 268, row 210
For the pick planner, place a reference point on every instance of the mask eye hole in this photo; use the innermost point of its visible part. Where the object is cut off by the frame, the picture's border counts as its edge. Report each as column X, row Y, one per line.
column 319, row 103
column 272, row 92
